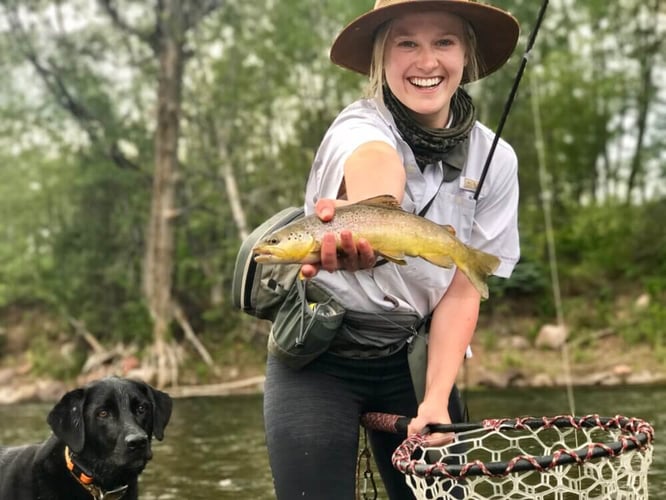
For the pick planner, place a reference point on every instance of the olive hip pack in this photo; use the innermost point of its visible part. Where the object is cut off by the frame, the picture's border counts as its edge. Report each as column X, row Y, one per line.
column 305, row 325
column 259, row 289
column 304, row 321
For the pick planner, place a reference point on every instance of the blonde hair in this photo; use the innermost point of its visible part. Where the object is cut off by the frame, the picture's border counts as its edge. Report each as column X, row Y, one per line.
column 376, row 77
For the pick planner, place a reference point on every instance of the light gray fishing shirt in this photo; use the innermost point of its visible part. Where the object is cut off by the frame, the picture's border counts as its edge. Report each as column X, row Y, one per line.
column 489, row 223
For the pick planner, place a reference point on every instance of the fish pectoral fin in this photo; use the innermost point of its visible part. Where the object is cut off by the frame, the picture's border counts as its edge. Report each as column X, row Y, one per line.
column 438, row 259
column 396, row 258
column 310, row 252
column 449, row 229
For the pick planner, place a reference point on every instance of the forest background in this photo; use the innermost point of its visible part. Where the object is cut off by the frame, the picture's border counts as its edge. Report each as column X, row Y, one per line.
column 140, row 141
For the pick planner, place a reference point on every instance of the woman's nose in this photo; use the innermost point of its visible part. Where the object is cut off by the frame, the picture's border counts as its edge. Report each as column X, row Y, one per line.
column 427, row 59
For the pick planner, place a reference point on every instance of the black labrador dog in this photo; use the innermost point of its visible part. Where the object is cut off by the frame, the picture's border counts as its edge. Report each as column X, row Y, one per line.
column 100, row 444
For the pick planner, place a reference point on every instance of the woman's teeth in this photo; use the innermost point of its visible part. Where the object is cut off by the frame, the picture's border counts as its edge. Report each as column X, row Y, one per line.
column 425, row 82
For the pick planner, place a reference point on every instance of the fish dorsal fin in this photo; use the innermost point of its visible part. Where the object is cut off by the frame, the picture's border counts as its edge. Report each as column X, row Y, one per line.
column 384, row 201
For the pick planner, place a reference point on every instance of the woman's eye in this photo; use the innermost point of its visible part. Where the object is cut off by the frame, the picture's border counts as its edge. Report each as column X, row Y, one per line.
column 406, row 43
column 446, row 42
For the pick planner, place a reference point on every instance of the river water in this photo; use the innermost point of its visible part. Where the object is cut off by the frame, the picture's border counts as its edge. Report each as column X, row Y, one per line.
column 214, row 447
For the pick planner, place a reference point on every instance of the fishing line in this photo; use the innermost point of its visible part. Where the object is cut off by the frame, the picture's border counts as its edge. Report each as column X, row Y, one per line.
column 545, row 191
column 546, row 197
column 512, row 95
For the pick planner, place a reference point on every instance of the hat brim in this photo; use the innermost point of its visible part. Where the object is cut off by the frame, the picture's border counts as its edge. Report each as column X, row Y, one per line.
column 496, row 32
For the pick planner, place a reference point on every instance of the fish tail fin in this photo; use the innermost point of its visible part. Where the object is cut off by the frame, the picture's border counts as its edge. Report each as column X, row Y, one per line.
column 477, row 266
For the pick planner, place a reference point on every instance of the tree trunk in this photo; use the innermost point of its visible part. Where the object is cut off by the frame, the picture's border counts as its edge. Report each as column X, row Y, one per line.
column 650, row 46
column 157, row 278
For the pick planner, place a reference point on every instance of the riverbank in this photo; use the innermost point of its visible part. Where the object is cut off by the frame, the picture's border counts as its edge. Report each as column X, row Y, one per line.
column 602, row 359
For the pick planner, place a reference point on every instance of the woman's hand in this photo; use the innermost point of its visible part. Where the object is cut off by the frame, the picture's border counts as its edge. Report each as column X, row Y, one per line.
column 428, row 415
column 351, row 257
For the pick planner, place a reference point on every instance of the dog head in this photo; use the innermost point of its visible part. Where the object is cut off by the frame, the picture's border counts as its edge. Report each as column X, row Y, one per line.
column 109, row 425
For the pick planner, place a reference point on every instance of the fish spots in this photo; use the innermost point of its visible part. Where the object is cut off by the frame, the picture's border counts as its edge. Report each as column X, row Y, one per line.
column 297, row 236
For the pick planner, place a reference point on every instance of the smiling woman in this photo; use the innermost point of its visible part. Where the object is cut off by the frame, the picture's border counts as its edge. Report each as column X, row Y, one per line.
column 425, row 58
column 416, row 138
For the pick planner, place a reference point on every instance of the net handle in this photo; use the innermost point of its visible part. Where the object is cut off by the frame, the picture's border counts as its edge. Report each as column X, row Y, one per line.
column 398, row 424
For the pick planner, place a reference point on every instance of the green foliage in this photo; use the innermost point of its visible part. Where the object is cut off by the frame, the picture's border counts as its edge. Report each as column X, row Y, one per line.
column 97, row 255
column 528, row 278
column 604, row 244
column 47, row 362
column 259, row 93
column 646, row 324
column 258, row 111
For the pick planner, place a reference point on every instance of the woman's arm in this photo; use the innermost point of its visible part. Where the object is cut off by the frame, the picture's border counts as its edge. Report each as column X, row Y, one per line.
column 451, row 330
column 373, row 169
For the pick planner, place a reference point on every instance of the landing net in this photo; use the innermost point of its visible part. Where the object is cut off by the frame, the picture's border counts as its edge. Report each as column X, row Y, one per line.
column 550, row 458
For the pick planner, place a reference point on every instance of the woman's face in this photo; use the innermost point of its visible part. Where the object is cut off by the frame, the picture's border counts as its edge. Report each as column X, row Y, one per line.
column 424, row 61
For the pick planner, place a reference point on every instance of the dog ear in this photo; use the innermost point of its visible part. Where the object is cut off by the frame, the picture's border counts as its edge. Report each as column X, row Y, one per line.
column 162, row 406
column 66, row 419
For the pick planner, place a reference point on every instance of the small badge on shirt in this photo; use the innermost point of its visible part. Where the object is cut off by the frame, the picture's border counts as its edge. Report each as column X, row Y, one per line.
column 468, row 184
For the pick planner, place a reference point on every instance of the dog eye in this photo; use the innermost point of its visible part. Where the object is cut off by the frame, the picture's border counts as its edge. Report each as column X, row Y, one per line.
column 103, row 413
column 142, row 408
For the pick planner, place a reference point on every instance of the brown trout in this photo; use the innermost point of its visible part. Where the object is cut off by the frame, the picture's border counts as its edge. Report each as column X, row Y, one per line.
column 392, row 232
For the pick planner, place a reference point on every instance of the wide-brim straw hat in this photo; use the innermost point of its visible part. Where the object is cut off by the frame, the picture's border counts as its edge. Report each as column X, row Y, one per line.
column 496, row 31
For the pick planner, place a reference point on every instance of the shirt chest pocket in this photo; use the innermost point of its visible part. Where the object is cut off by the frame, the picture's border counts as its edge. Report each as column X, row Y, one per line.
column 456, row 209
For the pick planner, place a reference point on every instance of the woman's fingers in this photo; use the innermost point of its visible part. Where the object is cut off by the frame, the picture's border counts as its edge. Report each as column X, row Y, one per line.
column 325, row 209
column 309, row 270
column 366, row 255
column 419, row 425
column 348, row 255
column 439, row 439
column 329, row 253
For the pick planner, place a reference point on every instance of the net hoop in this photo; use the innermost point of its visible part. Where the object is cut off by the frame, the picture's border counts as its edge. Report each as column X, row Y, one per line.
column 634, row 434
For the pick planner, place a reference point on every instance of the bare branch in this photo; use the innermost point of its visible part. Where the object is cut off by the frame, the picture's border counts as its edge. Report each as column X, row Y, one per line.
column 51, row 77
column 150, row 38
column 194, row 12
column 181, row 318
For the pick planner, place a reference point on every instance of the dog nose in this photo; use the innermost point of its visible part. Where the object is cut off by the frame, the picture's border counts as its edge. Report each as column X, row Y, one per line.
column 136, row 441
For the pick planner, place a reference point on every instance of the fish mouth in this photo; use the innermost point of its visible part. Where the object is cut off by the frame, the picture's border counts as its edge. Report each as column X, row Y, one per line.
column 267, row 255
column 266, row 258
column 273, row 257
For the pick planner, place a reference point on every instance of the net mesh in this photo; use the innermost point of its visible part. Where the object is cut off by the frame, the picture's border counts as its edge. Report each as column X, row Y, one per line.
column 549, row 458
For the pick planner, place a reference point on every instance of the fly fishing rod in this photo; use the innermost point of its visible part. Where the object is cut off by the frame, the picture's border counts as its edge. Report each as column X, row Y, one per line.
column 512, row 95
